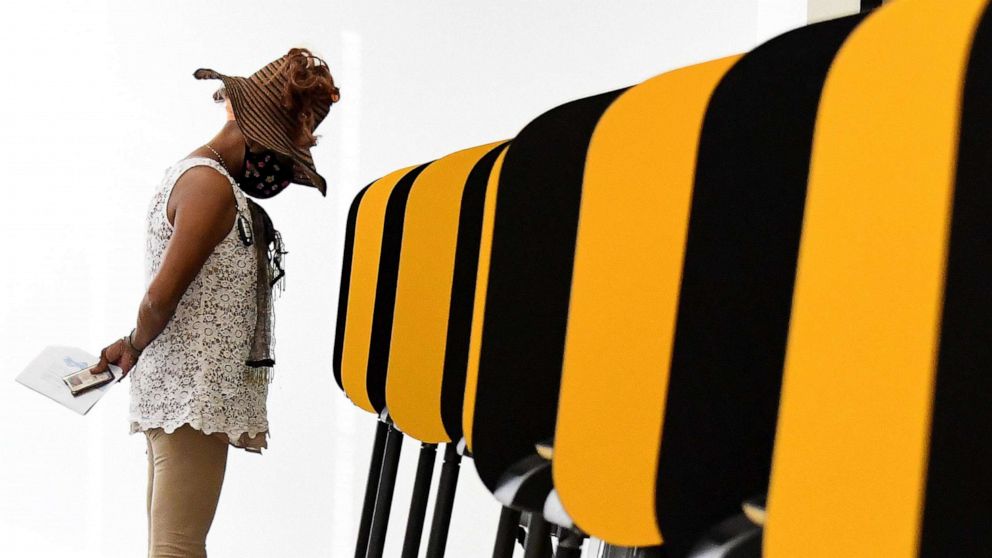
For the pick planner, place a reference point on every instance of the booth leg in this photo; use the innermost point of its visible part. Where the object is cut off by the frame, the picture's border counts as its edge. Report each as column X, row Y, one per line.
column 438, row 538
column 538, row 543
column 371, row 488
column 384, row 496
column 418, row 502
column 506, row 533
column 569, row 543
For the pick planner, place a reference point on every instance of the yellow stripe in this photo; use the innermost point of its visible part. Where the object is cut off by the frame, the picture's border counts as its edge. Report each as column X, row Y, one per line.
column 423, row 295
column 481, row 285
column 636, row 196
column 850, row 461
column 361, row 293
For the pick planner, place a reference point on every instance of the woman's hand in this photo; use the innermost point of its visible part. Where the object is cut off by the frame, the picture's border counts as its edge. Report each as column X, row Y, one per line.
column 117, row 353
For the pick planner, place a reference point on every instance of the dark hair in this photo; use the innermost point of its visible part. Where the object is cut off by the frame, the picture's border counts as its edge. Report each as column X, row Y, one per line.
column 309, row 84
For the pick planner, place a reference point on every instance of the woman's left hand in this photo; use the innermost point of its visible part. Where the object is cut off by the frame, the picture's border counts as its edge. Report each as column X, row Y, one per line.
column 119, row 354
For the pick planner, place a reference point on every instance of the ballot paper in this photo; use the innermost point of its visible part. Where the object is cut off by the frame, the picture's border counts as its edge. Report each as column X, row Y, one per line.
column 44, row 375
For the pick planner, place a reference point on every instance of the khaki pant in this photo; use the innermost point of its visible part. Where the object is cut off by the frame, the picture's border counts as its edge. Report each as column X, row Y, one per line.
column 185, row 474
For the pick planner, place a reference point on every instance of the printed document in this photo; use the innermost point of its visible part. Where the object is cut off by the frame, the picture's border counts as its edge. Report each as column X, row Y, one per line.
column 44, row 375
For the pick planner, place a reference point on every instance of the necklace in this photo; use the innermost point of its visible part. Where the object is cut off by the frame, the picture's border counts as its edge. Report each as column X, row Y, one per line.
column 244, row 227
column 221, row 159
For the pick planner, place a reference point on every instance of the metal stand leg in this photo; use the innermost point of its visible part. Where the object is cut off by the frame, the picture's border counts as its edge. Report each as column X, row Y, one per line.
column 384, row 497
column 438, row 538
column 610, row 551
column 538, row 537
column 506, row 533
column 569, row 543
column 418, row 502
column 371, row 488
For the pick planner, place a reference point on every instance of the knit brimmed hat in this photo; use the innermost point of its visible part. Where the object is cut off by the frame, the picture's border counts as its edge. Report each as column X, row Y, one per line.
column 257, row 108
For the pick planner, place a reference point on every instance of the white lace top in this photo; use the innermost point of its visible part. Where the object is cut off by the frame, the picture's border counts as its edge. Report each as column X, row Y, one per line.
column 194, row 371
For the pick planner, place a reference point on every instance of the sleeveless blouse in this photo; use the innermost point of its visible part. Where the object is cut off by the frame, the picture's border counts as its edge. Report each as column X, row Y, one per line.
column 194, row 371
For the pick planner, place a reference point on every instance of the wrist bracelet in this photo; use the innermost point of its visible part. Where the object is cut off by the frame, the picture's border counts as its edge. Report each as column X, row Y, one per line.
column 131, row 343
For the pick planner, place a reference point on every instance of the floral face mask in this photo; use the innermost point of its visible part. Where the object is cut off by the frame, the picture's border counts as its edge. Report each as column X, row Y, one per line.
column 263, row 175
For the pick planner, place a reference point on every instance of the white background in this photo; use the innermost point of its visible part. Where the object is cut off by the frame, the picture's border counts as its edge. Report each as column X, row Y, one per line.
column 98, row 99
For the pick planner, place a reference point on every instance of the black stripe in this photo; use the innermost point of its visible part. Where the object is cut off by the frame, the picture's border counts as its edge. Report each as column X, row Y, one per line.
column 463, row 293
column 385, row 289
column 957, row 515
column 868, row 5
column 346, row 257
column 738, row 275
column 533, row 247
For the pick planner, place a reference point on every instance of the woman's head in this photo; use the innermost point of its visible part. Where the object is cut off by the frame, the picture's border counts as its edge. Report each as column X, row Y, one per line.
column 279, row 107
column 308, row 84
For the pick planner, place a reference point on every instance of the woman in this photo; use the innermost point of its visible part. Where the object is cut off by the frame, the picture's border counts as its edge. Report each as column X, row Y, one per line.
column 200, row 350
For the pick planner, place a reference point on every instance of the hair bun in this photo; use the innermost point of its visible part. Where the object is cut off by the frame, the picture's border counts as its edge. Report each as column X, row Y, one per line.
column 309, row 84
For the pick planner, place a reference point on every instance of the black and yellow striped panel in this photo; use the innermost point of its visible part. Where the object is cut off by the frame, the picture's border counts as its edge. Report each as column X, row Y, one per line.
column 423, row 295
column 883, row 447
column 375, row 245
column 628, row 263
column 463, row 293
column 385, row 299
column 479, row 298
column 346, row 257
column 530, row 269
column 737, row 280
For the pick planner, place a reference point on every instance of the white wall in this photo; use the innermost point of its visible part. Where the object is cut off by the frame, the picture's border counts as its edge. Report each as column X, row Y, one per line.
column 774, row 16
column 820, row 10
column 99, row 99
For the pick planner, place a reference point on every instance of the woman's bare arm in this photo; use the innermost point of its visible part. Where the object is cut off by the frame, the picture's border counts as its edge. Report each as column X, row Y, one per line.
column 205, row 210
